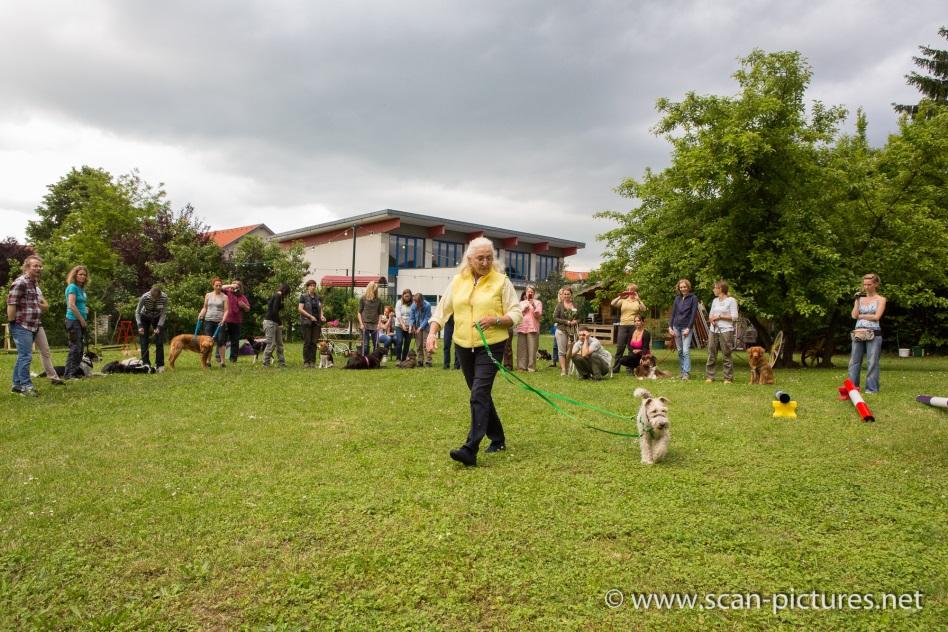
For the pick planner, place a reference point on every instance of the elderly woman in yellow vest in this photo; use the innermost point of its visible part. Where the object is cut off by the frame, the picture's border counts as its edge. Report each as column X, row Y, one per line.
column 480, row 293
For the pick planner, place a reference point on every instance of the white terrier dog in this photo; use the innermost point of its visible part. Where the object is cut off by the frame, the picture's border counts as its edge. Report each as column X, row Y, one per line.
column 652, row 422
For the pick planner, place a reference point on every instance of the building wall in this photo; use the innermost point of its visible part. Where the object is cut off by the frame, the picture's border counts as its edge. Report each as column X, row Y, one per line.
column 336, row 257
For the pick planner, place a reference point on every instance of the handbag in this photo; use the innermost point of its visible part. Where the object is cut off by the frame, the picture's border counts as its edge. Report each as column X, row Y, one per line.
column 863, row 335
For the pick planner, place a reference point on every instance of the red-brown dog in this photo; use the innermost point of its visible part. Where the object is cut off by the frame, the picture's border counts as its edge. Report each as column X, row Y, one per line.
column 761, row 373
column 198, row 344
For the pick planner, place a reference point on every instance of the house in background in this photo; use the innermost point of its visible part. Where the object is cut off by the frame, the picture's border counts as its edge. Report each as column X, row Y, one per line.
column 420, row 252
column 228, row 238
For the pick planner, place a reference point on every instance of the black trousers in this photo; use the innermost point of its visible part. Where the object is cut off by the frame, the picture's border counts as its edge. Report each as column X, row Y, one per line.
column 231, row 333
column 147, row 326
column 479, row 373
column 623, row 336
column 448, row 335
column 77, row 345
column 311, row 332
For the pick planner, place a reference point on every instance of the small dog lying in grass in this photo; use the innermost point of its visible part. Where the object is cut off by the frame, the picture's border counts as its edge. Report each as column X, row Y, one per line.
column 325, row 355
column 646, row 370
column 128, row 365
column 652, row 422
column 198, row 344
column 543, row 354
column 371, row 361
column 761, row 373
column 85, row 365
column 410, row 362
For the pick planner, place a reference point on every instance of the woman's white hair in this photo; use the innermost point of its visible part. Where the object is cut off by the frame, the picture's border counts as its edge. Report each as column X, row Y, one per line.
column 480, row 242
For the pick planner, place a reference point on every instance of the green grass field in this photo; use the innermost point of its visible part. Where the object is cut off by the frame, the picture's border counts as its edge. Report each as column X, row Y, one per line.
column 308, row 499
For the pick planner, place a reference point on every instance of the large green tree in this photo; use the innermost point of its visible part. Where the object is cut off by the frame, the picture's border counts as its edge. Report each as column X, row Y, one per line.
column 742, row 200
column 934, row 85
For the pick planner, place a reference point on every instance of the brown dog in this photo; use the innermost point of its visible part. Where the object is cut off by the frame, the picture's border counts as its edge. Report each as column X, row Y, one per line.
column 647, row 369
column 198, row 344
column 761, row 373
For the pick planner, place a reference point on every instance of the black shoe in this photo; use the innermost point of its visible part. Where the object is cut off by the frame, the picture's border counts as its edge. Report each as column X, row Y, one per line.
column 496, row 447
column 464, row 455
column 16, row 390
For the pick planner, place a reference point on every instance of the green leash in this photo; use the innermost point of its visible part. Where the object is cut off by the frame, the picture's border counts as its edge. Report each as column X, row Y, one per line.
column 548, row 397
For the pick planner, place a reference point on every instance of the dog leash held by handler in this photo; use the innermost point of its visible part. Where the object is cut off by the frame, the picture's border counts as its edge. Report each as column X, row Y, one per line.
column 548, row 397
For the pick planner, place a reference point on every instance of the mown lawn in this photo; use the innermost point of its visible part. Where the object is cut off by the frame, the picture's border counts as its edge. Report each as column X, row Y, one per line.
column 289, row 499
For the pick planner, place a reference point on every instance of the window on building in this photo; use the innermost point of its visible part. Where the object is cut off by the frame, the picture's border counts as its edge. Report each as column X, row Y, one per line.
column 518, row 265
column 547, row 267
column 447, row 254
column 405, row 252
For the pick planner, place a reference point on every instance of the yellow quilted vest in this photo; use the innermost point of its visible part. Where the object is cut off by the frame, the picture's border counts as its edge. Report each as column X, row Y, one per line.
column 473, row 303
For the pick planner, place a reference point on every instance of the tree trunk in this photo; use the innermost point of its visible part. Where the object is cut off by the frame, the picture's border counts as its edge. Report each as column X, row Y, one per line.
column 789, row 344
column 764, row 339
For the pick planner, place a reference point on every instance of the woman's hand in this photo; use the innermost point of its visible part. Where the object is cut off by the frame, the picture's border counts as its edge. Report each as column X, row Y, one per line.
column 489, row 321
column 431, row 343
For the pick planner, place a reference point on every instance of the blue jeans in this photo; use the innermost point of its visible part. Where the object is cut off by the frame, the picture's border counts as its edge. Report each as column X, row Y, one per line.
column 871, row 349
column 683, row 344
column 369, row 339
column 23, row 338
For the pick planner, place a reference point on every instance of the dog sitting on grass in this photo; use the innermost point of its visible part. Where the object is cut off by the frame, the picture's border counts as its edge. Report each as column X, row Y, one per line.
column 198, row 344
column 652, row 422
column 761, row 373
column 325, row 355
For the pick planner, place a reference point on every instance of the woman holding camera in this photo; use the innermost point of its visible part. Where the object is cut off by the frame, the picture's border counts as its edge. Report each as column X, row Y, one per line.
column 867, row 336
column 630, row 306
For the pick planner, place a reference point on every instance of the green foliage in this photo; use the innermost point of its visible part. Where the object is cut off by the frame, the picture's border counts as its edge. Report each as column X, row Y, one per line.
column 762, row 192
column 339, row 305
column 131, row 502
column 934, row 85
column 262, row 266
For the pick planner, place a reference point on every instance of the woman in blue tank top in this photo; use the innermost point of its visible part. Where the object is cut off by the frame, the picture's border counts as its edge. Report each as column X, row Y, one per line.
column 867, row 310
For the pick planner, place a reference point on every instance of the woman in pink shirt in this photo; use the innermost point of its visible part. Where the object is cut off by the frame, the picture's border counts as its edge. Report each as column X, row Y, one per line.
column 528, row 332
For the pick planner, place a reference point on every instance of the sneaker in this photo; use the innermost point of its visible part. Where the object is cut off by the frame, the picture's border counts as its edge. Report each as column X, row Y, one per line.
column 728, row 381
column 562, row 373
column 29, row 391
column 16, row 390
column 464, row 455
column 685, row 377
column 496, row 447
column 709, row 381
column 531, row 370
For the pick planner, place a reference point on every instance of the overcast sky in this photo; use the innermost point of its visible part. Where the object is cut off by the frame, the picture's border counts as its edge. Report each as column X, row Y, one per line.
column 523, row 115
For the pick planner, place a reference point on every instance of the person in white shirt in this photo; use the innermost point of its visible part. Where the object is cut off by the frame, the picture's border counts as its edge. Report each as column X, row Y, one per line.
column 721, row 319
column 590, row 359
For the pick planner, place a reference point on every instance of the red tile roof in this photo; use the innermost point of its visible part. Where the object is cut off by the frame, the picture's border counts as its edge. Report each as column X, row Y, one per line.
column 224, row 238
column 575, row 276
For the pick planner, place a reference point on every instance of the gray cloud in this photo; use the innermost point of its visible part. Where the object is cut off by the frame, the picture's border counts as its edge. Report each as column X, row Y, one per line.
column 521, row 114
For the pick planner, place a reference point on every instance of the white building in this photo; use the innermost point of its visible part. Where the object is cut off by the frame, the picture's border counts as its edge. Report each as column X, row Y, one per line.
column 409, row 250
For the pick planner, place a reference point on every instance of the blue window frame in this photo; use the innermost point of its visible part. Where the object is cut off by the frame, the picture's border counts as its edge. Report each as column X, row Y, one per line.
column 547, row 267
column 518, row 265
column 404, row 252
column 447, row 254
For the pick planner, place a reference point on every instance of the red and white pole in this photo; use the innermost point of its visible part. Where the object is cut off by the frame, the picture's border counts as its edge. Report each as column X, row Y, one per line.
column 850, row 391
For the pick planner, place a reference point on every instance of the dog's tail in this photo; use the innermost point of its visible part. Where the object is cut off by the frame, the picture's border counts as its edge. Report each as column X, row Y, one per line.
column 643, row 393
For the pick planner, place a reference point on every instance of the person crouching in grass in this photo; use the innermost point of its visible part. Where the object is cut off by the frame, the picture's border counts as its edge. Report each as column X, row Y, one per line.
column 591, row 359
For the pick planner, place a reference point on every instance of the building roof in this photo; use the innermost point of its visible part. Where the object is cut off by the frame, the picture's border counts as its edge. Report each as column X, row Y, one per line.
column 427, row 221
column 228, row 236
column 575, row 276
column 339, row 280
